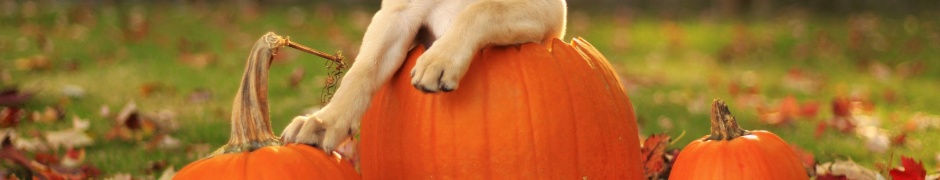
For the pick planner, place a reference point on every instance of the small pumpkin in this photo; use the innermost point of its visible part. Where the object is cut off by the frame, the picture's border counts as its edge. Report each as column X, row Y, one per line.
column 730, row 153
column 253, row 151
column 530, row 111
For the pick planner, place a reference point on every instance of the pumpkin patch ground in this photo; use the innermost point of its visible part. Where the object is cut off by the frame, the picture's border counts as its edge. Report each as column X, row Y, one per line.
column 102, row 89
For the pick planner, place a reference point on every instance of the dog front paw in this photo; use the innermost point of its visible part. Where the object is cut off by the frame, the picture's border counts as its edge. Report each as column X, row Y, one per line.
column 438, row 72
column 316, row 132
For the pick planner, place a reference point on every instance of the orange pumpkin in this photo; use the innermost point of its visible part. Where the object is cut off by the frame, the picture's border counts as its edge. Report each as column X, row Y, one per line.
column 530, row 111
column 254, row 152
column 731, row 153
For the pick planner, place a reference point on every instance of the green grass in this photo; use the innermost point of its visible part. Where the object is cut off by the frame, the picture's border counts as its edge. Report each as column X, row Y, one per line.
column 113, row 68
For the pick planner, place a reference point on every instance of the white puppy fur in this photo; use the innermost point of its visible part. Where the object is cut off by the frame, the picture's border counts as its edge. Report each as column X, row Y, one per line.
column 455, row 31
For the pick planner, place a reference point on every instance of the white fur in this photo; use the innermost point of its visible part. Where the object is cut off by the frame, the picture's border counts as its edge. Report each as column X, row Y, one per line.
column 460, row 28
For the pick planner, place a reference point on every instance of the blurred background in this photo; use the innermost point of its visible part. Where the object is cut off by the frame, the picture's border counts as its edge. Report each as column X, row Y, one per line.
column 136, row 88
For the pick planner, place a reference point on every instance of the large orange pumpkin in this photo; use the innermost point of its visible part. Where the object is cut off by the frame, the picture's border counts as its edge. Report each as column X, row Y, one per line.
column 254, row 152
column 731, row 153
column 530, row 111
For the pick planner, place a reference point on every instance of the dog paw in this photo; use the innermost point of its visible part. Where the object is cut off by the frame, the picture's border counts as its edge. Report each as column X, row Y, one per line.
column 438, row 72
column 316, row 132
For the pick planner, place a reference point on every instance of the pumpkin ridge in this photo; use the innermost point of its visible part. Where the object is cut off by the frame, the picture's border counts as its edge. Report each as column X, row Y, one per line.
column 560, row 50
column 486, row 118
column 525, row 85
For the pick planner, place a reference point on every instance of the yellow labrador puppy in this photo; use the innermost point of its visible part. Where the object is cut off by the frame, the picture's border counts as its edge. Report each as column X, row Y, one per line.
column 455, row 30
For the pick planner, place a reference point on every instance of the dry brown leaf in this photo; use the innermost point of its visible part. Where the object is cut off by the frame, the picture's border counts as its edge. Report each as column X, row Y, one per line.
column 130, row 124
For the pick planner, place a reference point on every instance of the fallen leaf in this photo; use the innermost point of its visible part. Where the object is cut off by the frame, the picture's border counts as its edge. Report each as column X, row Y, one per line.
column 136, row 24
column 49, row 115
column 910, row 170
column 808, row 159
column 876, row 139
column 73, row 91
column 33, row 63
column 899, row 140
column 800, row 80
column 198, row 60
column 149, row 89
column 163, row 141
column 73, row 158
column 168, row 174
column 130, row 124
column 820, row 129
column 831, row 177
column 810, row 109
column 154, row 166
column 121, row 176
column 653, row 157
column 847, row 168
column 68, row 138
column 922, row 121
column 31, row 144
column 14, row 97
column 46, row 158
column 10, row 117
column 39, row 170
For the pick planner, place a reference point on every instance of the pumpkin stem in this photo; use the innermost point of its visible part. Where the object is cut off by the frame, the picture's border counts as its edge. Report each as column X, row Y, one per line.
column 724, row 126
column 251, row 124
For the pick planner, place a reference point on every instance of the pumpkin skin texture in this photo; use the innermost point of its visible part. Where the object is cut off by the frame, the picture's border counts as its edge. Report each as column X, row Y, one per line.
column 738, row 155
column 292, row 161
column 521, row 112
column 253, row 152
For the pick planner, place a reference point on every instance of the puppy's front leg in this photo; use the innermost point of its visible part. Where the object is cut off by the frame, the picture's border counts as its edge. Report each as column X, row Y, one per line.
column 387, row 40
column 487, row 22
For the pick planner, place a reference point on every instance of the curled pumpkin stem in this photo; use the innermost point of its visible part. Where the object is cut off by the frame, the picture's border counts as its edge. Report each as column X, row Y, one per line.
column 724, row 126
column 251, row 123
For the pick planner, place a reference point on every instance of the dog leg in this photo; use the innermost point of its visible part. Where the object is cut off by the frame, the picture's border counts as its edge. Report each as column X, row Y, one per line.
column 487, row 22
column 385, row 44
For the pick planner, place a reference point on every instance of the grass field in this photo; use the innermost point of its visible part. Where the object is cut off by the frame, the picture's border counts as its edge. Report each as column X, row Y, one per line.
column 673, row 68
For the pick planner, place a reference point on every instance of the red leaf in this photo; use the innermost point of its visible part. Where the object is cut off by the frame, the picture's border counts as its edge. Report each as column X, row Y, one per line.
column 14, row 97
column 900, row 139
column 810, row 109
column 46, row 158
column 912, row 170
column 10, row 117
column 653, row 151
column 831, row 177
column 808, row 159
column 820, row 129
column 841, row 107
